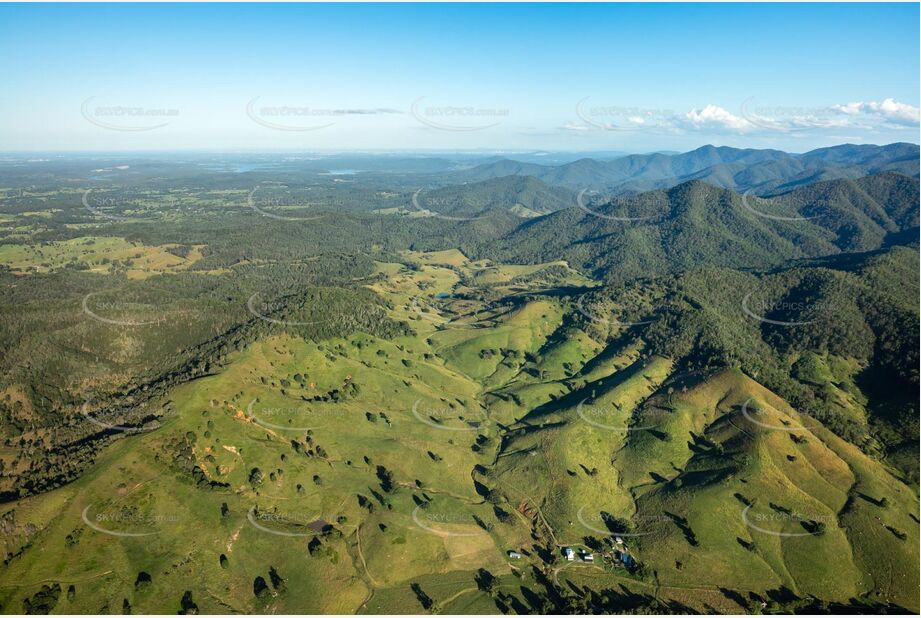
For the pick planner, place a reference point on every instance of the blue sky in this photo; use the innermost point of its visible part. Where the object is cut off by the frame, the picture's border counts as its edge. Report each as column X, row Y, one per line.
column 456, row 77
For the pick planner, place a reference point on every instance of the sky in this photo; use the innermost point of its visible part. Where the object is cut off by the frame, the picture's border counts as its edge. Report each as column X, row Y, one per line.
column 443, row 77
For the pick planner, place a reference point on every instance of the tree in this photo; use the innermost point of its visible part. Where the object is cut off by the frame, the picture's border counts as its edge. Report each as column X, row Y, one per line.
column 277, row 582
column 424, row 599
column 187, row 606
column 142, row 581
column 385, row 477
column 485, row 581
column 261, row 588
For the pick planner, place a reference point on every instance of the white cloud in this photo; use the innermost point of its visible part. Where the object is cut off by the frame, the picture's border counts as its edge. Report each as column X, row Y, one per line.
column 715, row 117
column 888, row 109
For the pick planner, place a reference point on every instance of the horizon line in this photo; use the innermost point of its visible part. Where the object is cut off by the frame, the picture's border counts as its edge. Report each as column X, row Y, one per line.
column 418, row 151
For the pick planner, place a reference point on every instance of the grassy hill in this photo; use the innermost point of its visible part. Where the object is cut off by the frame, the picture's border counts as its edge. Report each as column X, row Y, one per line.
column 369, row 473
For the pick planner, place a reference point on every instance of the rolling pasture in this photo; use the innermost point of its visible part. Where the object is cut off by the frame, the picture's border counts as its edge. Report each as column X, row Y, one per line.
column 372, row 474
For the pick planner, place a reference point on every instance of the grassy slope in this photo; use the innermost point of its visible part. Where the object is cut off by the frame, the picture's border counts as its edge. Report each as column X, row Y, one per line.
column 557, row 470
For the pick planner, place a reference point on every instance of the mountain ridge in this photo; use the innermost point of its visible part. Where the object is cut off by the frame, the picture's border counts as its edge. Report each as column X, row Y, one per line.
column 761, row 170
column 696, row 223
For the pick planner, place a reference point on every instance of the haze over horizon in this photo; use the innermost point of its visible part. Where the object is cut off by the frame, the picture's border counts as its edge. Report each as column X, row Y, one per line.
column 482, row 78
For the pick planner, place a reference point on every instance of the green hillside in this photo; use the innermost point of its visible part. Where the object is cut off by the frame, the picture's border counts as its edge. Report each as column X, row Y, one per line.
column 393, row 472
column 392, row 386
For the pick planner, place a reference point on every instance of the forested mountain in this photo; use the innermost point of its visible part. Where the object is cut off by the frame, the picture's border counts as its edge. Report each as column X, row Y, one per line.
column 762, row 171
column 523, row 196
column 695, row 224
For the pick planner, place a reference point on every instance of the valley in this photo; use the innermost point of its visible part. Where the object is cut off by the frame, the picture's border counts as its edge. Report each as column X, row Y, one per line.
column 368, row 474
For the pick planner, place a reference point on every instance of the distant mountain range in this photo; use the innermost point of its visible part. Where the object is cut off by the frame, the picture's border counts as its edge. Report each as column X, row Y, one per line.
column 764, row 172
